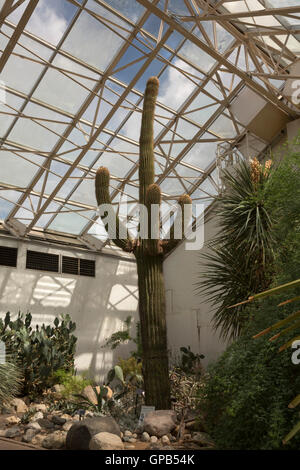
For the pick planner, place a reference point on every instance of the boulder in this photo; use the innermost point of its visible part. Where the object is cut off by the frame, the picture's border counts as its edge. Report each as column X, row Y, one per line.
column 33, row 425
column 80, row 434
column 57, row 391
column 38, row 415
column 19, row 405
column 38, row 439
column 66, row 417
column 89, row 393
column 39, row 407
column 145, row 437
column 55, row 440
column 12, row 432
column 160, row 422
column 67, row 425
column 29, row 435
column 46, row 424
column 58, row 420
column 12, row 420
column 165, row 440
column 106, row 441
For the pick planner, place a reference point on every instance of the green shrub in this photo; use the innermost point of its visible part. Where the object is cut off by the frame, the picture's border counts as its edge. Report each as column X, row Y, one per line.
column 248, row 390
column 10, row 382
column 41, row 351
column 73, row 384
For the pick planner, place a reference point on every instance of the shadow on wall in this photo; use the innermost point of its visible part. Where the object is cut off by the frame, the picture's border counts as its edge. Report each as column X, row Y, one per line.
column 98, row 306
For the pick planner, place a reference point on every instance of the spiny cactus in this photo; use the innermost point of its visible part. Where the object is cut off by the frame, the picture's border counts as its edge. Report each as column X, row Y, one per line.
column 149, row 255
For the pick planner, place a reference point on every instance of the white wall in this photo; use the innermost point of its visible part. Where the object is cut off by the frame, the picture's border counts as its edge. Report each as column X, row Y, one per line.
column 97, row 305
column 188, row 316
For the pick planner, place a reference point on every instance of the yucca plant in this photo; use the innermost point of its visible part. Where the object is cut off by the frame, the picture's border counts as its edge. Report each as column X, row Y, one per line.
column 240, row 258
column 291, row 323
column 10, row 382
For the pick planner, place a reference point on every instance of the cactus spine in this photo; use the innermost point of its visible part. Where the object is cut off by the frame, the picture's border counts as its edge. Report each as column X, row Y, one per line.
column 149, row 255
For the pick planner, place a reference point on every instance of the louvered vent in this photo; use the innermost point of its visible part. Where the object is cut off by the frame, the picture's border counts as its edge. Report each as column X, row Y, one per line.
column 83, row 267
column 8, row 256
column 42, row 261
column 87, row 267
column 70, row 265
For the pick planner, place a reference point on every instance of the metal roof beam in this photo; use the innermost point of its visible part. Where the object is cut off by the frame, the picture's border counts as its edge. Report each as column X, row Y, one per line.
column 17, row 32
column 219, row 57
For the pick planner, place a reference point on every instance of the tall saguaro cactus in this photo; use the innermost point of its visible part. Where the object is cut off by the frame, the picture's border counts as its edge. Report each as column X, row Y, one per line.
column 149, row 253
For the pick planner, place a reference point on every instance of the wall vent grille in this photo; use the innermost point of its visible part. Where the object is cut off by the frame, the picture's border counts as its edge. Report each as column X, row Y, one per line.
column 8, row 256
column 42, row 261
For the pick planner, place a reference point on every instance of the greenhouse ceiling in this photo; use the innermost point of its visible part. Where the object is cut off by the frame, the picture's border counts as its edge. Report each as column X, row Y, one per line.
column 73, row 73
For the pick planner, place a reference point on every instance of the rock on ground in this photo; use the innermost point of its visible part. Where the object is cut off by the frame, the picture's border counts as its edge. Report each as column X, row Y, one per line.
column 38, row 439
column 129, row 446
column 55, row 440
column 145, row 437
column 39, row 407
column 80, row 434
column 160, row 422
column 67, row 425
column 46, row 424
column 19, row 405
column 33, row 425
column 89, row 393
column 165, row 440
column 106, row 441
column 29, row 435
column 13, row 432
column 12, row 420
column 36, row 416
column 58, row 420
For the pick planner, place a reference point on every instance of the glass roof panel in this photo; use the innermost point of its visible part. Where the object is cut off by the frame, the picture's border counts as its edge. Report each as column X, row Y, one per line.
column 18, row 169
column 92, row 31
column 62, row 88
column 71, row 220
column 65, row 72
column 50, row 19
column 38, row 128
column 9, row 107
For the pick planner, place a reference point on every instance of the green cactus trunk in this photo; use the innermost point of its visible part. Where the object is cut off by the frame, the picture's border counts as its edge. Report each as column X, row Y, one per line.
column 153, row 330
column 149, row 254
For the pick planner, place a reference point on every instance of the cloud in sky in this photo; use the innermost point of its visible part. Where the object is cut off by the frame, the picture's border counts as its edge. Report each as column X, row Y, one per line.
column 47, row 22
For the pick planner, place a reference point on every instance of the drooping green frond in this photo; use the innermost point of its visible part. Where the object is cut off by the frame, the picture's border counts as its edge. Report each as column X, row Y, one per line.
column 240, row 258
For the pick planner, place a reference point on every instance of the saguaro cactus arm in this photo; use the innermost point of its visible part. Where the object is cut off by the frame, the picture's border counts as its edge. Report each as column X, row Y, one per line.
column 181, row 222
column 103, row 197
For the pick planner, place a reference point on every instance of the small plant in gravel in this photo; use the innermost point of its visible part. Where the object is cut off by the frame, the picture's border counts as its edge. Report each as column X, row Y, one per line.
column 26, row 417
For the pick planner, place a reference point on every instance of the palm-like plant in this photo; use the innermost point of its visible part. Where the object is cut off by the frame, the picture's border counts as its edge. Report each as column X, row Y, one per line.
column 10, row 382
column 240, row 257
